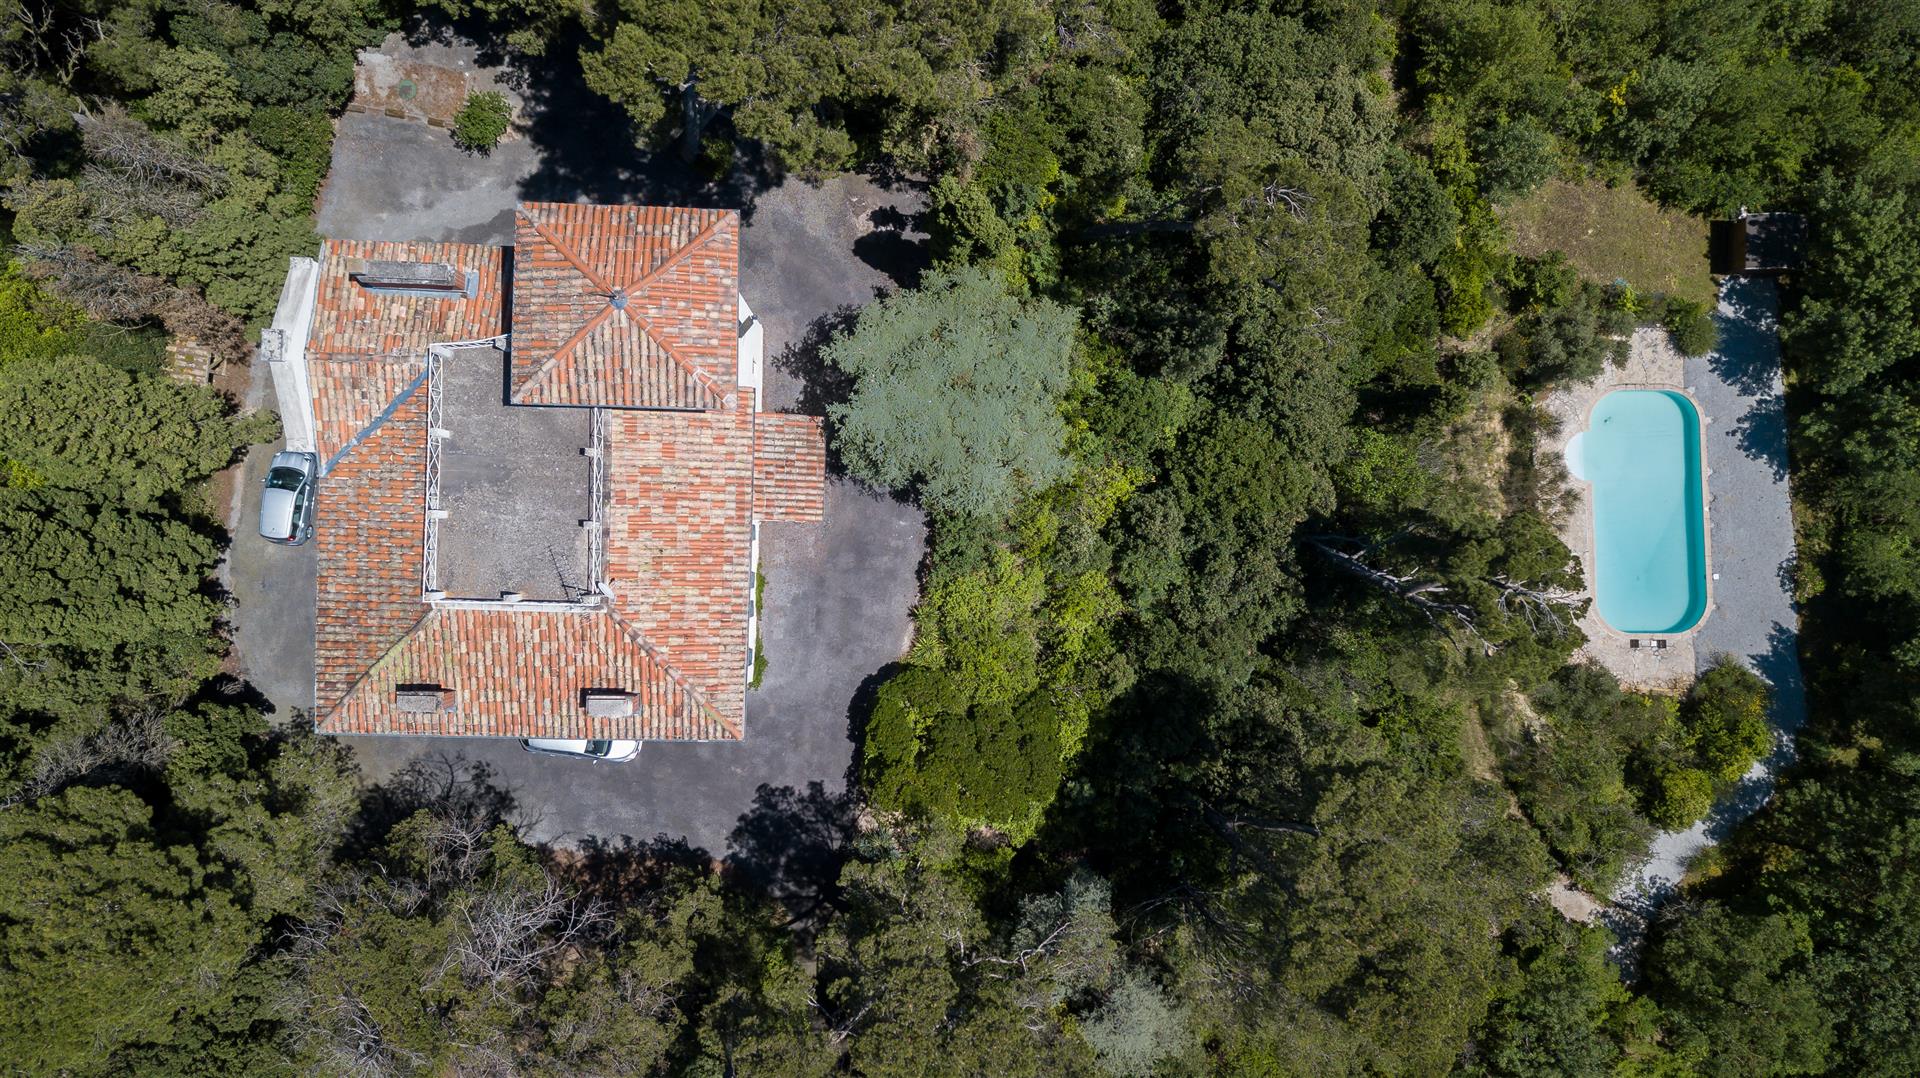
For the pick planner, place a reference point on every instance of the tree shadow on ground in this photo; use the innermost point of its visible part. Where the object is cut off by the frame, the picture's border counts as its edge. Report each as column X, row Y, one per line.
column 897, row 246
column 1786, row 713
column 1788, row 576
column 588, row 153
column 792, row 844
column 822, row 384
column 445, row 783
column 1748, row 355
column 860, row 710
column 624, row 871
column 488, row 42
column 1761, row 434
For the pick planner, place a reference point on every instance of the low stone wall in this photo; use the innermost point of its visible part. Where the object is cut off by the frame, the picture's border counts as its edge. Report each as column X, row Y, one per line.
column 424, row 83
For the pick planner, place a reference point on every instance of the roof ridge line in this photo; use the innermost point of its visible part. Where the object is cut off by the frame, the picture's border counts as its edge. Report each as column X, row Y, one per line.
column 375, row 665
column 673, row 673
column 706, row 380
column 679, row 255
column 566, row 252
column 548, row 364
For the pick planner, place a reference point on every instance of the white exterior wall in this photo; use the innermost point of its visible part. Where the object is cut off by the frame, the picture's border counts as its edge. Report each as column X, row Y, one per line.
column 753, row 351
column 284, row 344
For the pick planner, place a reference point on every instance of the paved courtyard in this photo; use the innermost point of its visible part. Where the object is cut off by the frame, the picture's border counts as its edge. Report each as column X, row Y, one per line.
column 838, row 593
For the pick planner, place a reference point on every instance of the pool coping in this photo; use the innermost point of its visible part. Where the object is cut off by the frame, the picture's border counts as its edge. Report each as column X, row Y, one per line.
column 1652, row 363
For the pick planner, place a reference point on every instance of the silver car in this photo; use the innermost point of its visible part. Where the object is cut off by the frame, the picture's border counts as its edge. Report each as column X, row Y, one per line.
column 286, row 505
column 611, row 752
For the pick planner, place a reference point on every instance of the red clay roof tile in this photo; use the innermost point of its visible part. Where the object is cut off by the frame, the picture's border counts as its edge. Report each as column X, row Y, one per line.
column 625, row 306
column 684, row 485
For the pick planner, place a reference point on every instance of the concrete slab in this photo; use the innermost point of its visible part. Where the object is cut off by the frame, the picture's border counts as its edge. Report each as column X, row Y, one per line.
column 514, row 485
column 271, row 618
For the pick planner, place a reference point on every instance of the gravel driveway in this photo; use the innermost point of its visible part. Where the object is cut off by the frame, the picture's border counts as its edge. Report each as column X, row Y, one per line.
column 1751, row 516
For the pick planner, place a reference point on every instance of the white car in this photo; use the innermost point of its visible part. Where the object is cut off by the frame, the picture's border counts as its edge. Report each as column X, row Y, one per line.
column 286, row 505
column 612, row 752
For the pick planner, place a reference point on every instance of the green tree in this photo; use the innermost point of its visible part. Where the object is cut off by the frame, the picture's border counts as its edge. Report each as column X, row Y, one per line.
column 931, row 748
column 80, row 425
column 1726, row 720
column 1740, row 994
column 108, row 587
column 33, row 325
column 482, row 121
column 111, row 930
column 1516, row 157
column 790, row 75
column 957, row 391
column 197, row 95
column 1556, row 1019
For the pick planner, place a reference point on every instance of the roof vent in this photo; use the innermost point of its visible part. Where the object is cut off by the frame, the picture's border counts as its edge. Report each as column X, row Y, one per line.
column 386, row 275
column 422, row 699
column 608, row 703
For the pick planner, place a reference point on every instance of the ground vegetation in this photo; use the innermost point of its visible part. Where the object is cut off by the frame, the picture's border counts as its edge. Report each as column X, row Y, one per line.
column 1241, row 731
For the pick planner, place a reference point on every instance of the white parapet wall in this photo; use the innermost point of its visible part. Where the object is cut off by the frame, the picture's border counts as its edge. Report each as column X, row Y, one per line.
column 753, row 351
column 284, row 346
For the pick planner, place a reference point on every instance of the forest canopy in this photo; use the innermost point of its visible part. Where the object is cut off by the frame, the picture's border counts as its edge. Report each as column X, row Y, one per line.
column 1244, row 729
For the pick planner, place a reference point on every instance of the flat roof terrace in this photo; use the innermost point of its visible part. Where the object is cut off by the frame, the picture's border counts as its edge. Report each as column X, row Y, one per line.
column 515, row 485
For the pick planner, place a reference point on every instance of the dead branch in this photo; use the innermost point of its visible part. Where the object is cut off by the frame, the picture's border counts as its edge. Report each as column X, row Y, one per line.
column 1549, row 608
column 513, row 933
column 122, row 198
column 122, row 144
column 110, row 292
column 1425, row 596
column 134, row 742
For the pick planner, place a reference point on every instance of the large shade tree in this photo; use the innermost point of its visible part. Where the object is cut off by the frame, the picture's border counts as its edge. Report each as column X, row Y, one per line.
column 956, row 389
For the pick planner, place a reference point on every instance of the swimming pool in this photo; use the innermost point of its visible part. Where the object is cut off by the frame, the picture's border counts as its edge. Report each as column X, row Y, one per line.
column 1641, row 452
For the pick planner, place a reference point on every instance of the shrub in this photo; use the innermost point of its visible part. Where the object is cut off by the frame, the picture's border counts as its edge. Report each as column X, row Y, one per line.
column 1543, row 282
column 482, row 121
column 1570, row 342
column 1685, row 794
column 1726, row 720
column 926, row 750
column 1691, row 326
column 1516, row 156
column 300, row 139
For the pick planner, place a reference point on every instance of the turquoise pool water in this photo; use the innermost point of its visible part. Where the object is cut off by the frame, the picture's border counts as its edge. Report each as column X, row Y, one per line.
column 1641, row 452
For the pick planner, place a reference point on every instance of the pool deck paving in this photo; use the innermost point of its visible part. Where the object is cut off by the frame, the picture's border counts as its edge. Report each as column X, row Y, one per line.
column 1750, row 551
column 1652, row 363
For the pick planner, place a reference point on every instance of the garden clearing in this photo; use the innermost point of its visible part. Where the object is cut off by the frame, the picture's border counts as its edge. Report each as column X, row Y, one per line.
column 1610, row 233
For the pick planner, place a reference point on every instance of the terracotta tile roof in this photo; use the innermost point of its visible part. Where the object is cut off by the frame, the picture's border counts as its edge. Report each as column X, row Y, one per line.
column 351, row 320
column 368, row 534
column 688, row 465
column 625, row 306
column 350, row 392
column 679, row 529
column 789, row 468
column 522, row 673
column 514, row 673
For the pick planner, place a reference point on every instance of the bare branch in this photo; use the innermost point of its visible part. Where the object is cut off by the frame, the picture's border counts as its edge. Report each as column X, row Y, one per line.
column 1421, row 594
column 135, row 742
